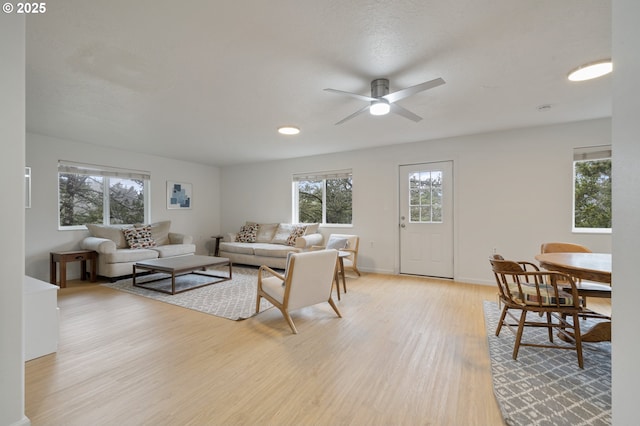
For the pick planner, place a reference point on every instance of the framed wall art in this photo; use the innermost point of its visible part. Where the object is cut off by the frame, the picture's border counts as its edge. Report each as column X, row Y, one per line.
column 179, row 195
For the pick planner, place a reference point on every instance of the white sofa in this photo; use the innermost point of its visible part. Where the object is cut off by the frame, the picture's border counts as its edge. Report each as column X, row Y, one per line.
column 268, row 243
column 115, row 255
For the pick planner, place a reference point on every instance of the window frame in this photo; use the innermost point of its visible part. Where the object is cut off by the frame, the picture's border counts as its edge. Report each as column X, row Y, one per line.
column 324, row 176
column 105, row 172
column 581, row 155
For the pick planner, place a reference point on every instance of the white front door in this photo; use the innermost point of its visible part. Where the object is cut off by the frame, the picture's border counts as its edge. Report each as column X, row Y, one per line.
column 426, row 219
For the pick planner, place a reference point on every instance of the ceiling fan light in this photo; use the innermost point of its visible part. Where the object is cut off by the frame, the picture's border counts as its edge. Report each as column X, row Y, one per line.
column 379, row 108
column 591, row 70
column 288, row 130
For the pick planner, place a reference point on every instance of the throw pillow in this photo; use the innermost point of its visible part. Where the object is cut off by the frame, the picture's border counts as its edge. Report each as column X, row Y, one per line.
column 282, row 233
column 297, row 232
column 247, row 234
column 337, row 243
column 159, row 231
column 139, row 238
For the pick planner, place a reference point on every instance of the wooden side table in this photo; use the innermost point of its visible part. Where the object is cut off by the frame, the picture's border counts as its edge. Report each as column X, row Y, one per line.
column 63, row 257
column 216, row 249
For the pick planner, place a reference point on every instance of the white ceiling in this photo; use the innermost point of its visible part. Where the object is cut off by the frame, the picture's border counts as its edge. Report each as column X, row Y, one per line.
column 210, row 81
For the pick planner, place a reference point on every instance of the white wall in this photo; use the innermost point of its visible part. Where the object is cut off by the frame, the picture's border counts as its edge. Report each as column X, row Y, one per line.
column 513, row 191
column 626, row 205
column 12, row 122
column 42, row 234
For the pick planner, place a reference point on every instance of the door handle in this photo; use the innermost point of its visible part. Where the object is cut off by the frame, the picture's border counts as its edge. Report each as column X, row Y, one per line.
column 402, row 225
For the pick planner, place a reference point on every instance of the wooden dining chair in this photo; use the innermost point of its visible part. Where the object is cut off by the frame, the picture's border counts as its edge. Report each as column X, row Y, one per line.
column 585, row 288
column 538, row 292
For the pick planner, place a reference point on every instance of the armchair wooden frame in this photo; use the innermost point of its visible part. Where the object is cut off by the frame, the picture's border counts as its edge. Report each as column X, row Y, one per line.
column 539, row 292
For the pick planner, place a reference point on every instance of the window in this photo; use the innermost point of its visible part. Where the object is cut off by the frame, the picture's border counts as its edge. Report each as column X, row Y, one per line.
column 425, row 197
column 592, row 189
column 323, row 198
column 97, row 194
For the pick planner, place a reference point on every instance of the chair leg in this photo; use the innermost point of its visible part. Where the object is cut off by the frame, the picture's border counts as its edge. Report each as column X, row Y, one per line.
column 550, row 328
column 502, row 317
column 289, row 321
column 516, row 346
column 335, row 308
column 578, row 339
column 258, row 298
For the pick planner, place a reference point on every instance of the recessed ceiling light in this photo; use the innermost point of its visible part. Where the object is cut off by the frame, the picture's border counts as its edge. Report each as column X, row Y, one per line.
column 591, row 70
column 288, row 130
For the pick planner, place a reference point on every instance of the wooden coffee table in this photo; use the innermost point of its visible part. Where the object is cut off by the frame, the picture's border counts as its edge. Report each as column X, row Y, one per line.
column 181, row 265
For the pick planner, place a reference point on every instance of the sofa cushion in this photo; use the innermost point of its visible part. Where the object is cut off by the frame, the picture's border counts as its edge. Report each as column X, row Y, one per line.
column 266, row 231
column 110, row 232
column 283, row 233
column 130, row 255
column 171, row 250
column 247, row 234
column 298, row 231
column 241, row 248
column 312, row 228
column 273, row 250
column 160, row 232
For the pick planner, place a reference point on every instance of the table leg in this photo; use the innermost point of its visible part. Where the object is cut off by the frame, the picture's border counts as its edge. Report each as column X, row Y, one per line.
column 173, row 282
column 83, row 273
column 133, row 276
column 94, row 269
column 52, row 270
column 63, row 273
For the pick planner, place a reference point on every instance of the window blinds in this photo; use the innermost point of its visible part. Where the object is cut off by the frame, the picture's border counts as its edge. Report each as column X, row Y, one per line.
column 336, row 174
column 586, row 153
column 96, row 170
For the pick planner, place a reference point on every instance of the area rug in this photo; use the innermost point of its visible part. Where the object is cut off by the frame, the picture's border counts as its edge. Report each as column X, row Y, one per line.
column 234, row 299
column 545, row 386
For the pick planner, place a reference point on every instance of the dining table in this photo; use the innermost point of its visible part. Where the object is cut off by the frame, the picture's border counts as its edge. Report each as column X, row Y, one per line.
column 585, row 266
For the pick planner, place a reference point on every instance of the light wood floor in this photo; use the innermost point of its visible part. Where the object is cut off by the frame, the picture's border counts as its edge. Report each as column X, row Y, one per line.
column 409, row 351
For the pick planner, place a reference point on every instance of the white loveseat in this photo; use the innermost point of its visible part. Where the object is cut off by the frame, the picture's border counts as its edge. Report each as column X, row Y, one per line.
column 268, row 243
column 116, row 255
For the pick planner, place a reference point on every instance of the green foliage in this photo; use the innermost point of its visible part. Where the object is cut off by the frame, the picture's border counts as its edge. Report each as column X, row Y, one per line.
column 337, row 195
column 593, row 194
column 81, row 199
column 310, row 201
column 339, row 201
column 126, row 201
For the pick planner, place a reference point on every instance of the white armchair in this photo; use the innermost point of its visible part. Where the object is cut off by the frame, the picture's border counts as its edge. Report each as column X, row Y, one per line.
column 307, row 281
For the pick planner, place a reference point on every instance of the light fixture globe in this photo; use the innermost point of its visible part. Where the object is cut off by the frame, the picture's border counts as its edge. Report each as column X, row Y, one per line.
column 591, row 70
column 380, row 107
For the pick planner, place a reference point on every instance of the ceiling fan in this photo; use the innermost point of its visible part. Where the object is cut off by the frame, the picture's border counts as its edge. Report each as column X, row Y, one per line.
column 382, row 102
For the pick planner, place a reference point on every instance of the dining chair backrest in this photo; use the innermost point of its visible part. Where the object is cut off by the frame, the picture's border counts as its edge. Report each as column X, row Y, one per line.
column 563, row 248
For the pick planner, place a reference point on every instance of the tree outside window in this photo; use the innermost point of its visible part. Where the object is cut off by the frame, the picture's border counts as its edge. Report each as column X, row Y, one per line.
column 323, row 198
column 592, row 193
column 90, row 195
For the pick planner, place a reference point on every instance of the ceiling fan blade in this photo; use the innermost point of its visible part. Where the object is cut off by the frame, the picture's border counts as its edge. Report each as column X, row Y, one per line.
column 401, row 94
column 353, row 95
column 360, row 111
column 397, row 109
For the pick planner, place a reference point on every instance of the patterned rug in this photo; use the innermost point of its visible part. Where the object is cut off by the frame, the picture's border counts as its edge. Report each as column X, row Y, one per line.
column 234, row 299
column 545, row 386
